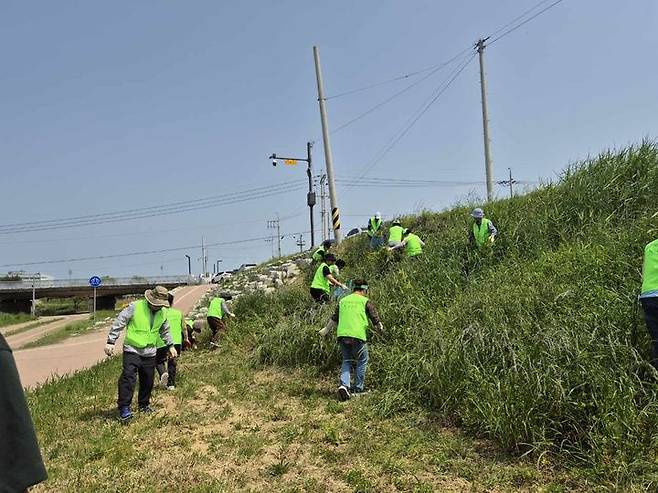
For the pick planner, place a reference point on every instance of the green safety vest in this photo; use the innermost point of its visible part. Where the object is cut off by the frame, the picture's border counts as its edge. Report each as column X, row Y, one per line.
column 352, row 317
column 335, row 271
column 319, row 281
column 395, row 234
column 650, row 268
column 482, row 233
column 175, row 319
column 413, row 245
column 140, row 333
column 318, row 256
column 215, row 308
column 374, row 226
column 190, row 322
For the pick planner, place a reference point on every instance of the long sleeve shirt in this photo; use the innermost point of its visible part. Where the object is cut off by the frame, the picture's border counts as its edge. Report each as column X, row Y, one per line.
column 371, row 312
column 492, row 231
column 121, row 322
column 403, row 243
column 225, row 308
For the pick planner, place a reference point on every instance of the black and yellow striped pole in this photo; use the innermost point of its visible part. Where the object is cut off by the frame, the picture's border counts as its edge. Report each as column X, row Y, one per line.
column 335, row 214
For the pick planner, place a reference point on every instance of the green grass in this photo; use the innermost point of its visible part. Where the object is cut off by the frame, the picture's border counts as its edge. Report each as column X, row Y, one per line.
column 14, row 318
column 236, row 428
column 534, row 343
column 69, row 330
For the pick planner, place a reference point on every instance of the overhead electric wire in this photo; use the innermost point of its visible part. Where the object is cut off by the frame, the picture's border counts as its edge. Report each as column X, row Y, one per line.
column 512, row 29
column 399, row 93
column 420, row 112
column 395, row 79
column 262, row 192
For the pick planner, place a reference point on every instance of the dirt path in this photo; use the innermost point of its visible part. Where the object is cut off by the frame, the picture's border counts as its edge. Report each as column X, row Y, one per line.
column 37, row 365
column 12, row 328
column 19, row 340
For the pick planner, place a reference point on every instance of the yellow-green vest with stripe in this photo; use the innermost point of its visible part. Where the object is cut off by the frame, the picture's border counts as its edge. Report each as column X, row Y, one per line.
column 141, row 333
column 352, row 317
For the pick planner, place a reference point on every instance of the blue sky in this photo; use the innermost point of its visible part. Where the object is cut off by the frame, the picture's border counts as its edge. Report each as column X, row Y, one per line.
column 120, row 105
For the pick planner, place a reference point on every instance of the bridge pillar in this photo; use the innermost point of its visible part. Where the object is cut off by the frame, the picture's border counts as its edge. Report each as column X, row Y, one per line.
column 16, row 306
column 103, row 303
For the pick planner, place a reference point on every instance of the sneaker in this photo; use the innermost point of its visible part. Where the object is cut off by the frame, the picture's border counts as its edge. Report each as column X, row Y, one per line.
column 171, row 387
column 214, row 344
column 343, row 393
column 164, row 379
column 125, row 414
column 146, row 410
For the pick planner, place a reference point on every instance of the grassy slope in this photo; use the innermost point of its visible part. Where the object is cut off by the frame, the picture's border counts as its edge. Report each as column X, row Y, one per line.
column 232, row 427
column 14, row 318
column 529, row 343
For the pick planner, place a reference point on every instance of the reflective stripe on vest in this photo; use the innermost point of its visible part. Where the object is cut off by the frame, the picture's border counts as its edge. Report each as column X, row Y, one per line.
column 319, row 281
column 482, row 233
column 215, row 308
column 413, row 245
column 140, row 333
column 352, row 317
column 175, row 320
column 650, row 268
column 395, row 234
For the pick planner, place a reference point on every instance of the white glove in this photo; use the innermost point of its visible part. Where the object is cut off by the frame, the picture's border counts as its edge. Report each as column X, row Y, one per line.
column 381, row 326
column 109, row 349
column 173, row 354
column 324, row 331
column 232, row 315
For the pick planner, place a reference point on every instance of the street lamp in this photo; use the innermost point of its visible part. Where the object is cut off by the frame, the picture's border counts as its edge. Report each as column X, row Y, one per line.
column 310, row 198
column 189, row 265
column 217, row 264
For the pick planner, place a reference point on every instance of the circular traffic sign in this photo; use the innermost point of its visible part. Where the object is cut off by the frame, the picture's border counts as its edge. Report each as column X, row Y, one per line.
column 95, row 281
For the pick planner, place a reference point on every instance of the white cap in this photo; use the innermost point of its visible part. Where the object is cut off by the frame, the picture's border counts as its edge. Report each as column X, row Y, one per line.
column 378, row 215
column 477, row 213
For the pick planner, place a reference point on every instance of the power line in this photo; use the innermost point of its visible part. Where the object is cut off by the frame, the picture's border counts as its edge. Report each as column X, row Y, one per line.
column 420, row 112
column 519, row 17
column 511, row 30
column 261, row 192
column 395, row 79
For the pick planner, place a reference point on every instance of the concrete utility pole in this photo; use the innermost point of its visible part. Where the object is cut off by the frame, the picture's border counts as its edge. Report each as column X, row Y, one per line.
column 323, row 204
column 276, row 224
column 480, row 46
column 511, row 182
column 335, row 212
column 301, row 243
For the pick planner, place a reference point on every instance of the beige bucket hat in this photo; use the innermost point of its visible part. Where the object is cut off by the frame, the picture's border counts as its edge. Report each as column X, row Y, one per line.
column 158, row 296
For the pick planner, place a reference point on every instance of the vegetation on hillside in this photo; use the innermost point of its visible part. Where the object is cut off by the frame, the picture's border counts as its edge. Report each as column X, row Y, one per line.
column 535, row 343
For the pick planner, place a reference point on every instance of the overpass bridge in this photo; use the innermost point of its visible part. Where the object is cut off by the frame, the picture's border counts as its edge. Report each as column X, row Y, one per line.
column 17, row 296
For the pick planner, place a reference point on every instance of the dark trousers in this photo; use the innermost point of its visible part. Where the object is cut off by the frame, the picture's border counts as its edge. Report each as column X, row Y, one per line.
column 162, row 357
column 134, row 364
column 650, row 308
column 217, row 327
column 319, row 295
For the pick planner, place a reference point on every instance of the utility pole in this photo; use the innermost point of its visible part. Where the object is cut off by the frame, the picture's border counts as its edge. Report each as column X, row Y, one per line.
column 276, row 224
column 301, row 243
column 323, row 205
column 33, row 308
column 335, row 212
column 204, row 257
column 310, row 197
column 511, row 182
column 480, row 46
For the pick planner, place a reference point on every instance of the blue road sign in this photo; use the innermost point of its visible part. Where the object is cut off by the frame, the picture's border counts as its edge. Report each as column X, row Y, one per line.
column 95, row 281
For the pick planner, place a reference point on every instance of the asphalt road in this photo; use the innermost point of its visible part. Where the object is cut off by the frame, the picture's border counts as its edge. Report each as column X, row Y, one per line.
column 37, row 365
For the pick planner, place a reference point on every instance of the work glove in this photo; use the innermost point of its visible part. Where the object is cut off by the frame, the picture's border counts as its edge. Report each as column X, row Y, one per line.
column 173, row 354
column 380, row 327
column 232, row 315
column 109, row 349
column 324, row 331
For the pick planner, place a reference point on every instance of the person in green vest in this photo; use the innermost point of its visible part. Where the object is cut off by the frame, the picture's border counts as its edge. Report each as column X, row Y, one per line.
column 190, row 331
column 319, row 254
column 217, row 311
column 412, row 244
column 395, row 233
column 350, row 320
column 178, row 335
column 483, row 230
column 143, row 320
column 375, row 224
column 649, row 296
column 323, row 280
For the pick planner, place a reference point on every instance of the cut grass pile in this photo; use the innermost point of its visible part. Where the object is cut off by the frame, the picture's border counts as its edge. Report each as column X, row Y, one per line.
column 535, row 343
column 229, row 427
column 70, row 330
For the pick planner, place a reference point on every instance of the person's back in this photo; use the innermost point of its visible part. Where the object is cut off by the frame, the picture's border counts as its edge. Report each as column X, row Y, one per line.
column 21, row 465
column 414, row 245
column 395, row 234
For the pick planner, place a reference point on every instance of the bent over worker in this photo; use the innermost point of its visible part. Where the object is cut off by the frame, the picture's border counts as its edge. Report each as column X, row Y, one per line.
column 320, row 253
column 178, row 334
column 217, row 310
column 412, row 244
column 483, row 230
column 351, row 323
column 395, row 233
column 323, row 280
column 143, row 321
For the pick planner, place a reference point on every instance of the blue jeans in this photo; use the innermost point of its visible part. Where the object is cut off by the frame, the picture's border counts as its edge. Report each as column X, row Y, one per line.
column 355, row 354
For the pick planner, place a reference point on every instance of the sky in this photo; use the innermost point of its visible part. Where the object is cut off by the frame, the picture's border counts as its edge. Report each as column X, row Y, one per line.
column 112, row 106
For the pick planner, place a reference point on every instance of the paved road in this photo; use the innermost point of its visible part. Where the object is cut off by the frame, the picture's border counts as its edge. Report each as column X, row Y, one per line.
column 19, row 340
column 37, row 365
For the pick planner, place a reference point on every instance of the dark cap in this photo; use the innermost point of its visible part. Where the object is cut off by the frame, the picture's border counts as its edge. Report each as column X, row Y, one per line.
column 359, row 284
column 330, row 257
